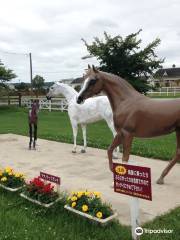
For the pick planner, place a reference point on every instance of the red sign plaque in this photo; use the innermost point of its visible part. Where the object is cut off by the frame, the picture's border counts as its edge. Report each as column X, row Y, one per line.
column 50, row 178
column 132, row 180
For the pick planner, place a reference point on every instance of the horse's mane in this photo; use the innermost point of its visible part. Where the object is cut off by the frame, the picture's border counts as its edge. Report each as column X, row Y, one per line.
column 118, row 78
column 67, row 86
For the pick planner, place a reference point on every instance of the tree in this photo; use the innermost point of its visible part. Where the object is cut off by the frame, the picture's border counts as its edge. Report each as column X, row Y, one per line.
column 77, row 88
column 38, row 84
column 6, row 75
column 124, row 57
column 22, row 86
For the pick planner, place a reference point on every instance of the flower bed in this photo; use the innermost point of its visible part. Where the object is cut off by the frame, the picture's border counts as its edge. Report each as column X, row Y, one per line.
column 89, row 205
column 10, row 180
column 40, row 192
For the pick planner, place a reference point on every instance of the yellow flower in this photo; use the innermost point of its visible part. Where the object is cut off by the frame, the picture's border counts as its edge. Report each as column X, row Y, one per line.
column 73, row 193
column 79, row 194
column 22, row 176
column 99, row 214
column 73, row 204
column 74, row 198
column 1, row 173
column 4, row 179
column 18, row 175
column 87, row 193
column 97, row 194
column 8, row 169
column 85, row 208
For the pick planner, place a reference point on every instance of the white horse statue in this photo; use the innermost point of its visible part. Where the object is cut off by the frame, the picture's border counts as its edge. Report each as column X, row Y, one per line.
column 92, row 110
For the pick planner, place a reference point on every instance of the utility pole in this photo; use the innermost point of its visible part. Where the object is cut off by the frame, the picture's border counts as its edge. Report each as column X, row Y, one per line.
column 30, row 60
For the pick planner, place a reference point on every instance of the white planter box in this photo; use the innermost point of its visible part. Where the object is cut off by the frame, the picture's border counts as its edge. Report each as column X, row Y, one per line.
column 11, row 189
column 98, row 220
column 47, row 205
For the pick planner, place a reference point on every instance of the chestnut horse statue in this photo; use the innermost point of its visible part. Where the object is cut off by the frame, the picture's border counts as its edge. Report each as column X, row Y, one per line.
column 134, row 114
column 33, row 120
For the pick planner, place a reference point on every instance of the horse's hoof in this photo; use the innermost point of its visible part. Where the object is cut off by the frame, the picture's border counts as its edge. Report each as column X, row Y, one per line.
column 73, row 151
column 160, row 181
column 83, row 151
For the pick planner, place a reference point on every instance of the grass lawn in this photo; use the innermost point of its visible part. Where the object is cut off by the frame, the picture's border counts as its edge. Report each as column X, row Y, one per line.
column 56, row 126
column 163, row 95
column 22, row 220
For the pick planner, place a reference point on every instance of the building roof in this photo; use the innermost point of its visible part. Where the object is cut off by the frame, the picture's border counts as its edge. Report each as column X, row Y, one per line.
column 66, row 80
column 48, row 84
column 78, row 80
column 168, row 72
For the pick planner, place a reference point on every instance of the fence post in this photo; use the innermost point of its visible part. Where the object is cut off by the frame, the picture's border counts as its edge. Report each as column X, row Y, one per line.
column 167, row 91
column 40, row 104
column 49, row 105
column 19, row 99
column 61, row 105
column 9, row 101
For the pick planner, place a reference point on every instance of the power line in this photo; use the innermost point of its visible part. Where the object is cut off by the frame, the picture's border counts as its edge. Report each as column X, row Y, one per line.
column 52, row 72
column 45, row 72
column 22, row 54
column 14, row 53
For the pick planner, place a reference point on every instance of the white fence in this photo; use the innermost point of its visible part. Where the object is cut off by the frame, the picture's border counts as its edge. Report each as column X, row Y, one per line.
column 165, row 91
column 54, row 104
column 61, row 103
column 10, row 100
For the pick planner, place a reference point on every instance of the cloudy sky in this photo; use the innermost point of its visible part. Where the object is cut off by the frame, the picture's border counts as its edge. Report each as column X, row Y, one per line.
column 52, row 31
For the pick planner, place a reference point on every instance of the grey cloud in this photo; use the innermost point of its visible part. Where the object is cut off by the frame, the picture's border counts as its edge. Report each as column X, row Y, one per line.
column 103, row 23
column 52, row 31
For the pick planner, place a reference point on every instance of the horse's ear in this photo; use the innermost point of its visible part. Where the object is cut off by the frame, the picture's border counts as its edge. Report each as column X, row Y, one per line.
column 89, row 67
column 94, row 69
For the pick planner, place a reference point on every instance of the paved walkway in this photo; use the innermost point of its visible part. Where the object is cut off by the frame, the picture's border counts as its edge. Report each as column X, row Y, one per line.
column 89, row 171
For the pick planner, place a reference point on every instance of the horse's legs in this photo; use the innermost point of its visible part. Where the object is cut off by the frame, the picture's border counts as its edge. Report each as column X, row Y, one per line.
column 30, row 135
column 75, row 130
column 111, row 126
column 35, row 136
column 127, row 142
column 172, row 162
column 117, row 141
column 83, row 126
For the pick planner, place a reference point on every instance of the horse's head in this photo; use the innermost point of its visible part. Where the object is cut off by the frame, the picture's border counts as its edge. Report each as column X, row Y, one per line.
column 54, row 90
column 93, row 84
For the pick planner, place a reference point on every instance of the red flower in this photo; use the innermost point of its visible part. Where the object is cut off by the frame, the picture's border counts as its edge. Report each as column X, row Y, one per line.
column 40, row 186
column 48, row 188
column 38, row 182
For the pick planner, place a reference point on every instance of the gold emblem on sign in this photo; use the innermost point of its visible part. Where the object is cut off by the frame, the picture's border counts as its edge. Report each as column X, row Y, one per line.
column 120, row 170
